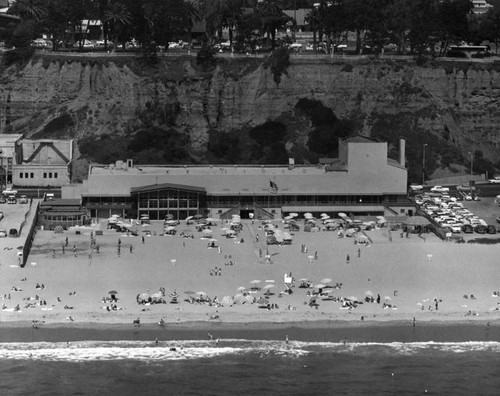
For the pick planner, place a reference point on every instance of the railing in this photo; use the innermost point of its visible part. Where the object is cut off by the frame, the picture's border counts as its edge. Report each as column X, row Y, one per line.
column 28, row 243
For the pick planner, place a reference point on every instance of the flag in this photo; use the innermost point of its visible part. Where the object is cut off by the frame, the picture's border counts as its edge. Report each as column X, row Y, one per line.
column 273, row 189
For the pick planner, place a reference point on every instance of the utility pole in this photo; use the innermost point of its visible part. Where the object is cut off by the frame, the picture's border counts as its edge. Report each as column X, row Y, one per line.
column 423, row 164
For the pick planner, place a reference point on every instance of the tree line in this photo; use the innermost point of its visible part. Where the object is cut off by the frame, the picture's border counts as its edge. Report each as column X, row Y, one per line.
column 415, row 26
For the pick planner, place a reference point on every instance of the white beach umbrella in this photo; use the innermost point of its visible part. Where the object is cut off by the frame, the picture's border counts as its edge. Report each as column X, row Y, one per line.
column 326, row 280
column 353, row 298
column 319, row 286
column 369, row 293
column 255, row 281
column 207, row 231
column 227, row 301
column 387, row 298
column 294, row 214
column 188, row 218
column 241, row 288
column 269, row 286
column 308, row 215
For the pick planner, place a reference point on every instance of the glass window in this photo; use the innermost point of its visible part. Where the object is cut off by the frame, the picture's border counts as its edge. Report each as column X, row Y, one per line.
column 44, row 175
column 32, row 175
column 55, row 175
column 21, row 175
column 50, row 175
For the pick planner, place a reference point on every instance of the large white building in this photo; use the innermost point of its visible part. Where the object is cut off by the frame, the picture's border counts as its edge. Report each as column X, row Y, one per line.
column 362, row 180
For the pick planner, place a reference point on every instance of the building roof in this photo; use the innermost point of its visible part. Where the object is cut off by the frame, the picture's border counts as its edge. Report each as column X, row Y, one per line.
column 164, row 186
column 332, row 208
column 61, row 203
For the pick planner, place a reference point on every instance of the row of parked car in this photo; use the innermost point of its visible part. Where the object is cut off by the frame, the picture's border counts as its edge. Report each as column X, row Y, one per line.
column 451, row 214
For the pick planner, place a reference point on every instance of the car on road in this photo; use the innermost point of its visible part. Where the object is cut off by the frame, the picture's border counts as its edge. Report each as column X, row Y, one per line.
column 467, row 228
column 440, row 189
column 11, row 200
column 23, row 199
column 480, row 229
column 3, row 233
column 495, row 180
column 3, row 199
column 491, row 229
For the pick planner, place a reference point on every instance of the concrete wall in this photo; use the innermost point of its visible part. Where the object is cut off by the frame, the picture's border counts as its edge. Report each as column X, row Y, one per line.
column 40, row 175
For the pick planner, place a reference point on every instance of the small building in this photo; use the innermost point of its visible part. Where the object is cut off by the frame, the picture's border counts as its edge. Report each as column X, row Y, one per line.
column 43, row 163
column 62, row 212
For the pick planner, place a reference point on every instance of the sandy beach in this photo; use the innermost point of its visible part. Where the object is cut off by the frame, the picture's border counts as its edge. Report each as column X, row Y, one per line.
column 410, row 275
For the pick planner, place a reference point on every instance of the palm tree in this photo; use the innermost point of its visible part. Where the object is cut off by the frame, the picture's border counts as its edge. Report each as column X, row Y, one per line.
column 192, row 15
column 117, row 16
column 272, row 18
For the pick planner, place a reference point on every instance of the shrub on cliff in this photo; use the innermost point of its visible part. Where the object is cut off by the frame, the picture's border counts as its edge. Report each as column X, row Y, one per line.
column 278, row 61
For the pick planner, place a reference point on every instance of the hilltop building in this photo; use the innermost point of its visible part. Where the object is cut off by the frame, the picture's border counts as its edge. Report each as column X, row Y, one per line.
column 362, row 180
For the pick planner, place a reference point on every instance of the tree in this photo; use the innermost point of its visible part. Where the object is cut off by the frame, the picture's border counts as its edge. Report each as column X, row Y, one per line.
column 118, row 17
column 272, row 19
column 31, row 13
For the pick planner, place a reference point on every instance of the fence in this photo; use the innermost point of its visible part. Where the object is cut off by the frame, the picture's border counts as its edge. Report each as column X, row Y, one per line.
column 28, row 243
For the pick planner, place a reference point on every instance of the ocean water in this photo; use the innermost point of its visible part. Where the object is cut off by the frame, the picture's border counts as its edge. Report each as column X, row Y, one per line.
column 249, row 367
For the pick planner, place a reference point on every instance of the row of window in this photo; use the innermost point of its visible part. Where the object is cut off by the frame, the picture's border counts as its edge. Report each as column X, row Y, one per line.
column 31, row 175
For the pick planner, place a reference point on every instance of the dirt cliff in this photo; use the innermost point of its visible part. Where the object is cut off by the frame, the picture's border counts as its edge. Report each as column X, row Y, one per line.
column 176, row 110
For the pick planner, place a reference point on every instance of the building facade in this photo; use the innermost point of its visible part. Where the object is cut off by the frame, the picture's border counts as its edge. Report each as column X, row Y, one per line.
column 362, row 180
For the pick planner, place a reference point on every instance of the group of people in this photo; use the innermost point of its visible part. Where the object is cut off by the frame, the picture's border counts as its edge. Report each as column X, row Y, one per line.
column 217, row 271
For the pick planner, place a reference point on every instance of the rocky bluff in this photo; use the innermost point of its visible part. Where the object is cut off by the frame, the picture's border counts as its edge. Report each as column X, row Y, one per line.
column 177, row 111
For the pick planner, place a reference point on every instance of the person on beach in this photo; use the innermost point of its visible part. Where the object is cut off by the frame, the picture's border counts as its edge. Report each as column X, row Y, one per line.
column 131, row 248
column 119, row 242
column 378, row 298
column 54, row 253
column 75, row 253
column 118, row 251
column 359, row 252
column 347, row 259
column 63, row 249
column 66, row 242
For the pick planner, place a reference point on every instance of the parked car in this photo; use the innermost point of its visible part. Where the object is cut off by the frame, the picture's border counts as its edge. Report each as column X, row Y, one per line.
column 495, row 180
column 3, row 199
column 498, row 219
column 11, row 200
column 480, row 229
column 23, row 199
column 491, row 229
column 416, row 187
column 1, row 215
column 440, row 189
column 467, row 229
column 3, row 233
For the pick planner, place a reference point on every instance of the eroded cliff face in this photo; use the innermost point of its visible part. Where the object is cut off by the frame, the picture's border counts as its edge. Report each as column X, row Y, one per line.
column 50, row 97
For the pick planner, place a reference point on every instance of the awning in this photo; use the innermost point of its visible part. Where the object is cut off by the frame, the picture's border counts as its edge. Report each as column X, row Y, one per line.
column 334, row 208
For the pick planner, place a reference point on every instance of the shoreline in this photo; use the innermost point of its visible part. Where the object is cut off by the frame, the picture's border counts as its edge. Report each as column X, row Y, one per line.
column 308, row 331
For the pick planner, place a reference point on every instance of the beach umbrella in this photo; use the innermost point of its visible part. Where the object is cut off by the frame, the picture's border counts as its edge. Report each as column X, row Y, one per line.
column 201, row 293
column 188, row 218
column 255, row 281
column 207, row 231
column 241, row 288
column 303, row 279
column 169, row 228
column 269, row 286
column 387, row 298
column 112, row 292
column 144, row 296
column 326, row 280
column 249, row 299
column 319, row 286
column 353, row 298
column 308, row 215
column 170, row 216
column 189, row 292
column 239, row 299
column 211, row 219
column 173, row 295
column 198, row 216
column 262, row 301
column 227, row 301
column 369, row 293
column 288, row 217
column 324, row 215
column 294, row 214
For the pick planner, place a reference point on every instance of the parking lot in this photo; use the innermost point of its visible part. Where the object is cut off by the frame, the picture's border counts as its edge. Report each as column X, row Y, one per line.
column 466, row 218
